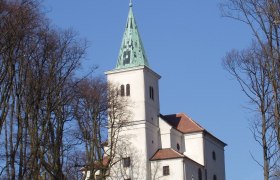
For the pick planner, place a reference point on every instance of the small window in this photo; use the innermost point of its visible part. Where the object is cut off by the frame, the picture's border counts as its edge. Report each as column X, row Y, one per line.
column 199, row 174
column 178, row 146
column 126, row 57
column 151, row 93
column 165, row 170
column 214, row 155
column 214, row 177
column 122, row 90
column 127, row 90
column 126, row 162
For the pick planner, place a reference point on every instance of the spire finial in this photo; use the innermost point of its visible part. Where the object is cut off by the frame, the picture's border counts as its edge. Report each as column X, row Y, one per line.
column 130, row 3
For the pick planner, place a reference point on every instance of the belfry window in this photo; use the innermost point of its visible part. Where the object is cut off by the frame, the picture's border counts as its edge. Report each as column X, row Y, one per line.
column 151, row 92
column 128, row 90
column 122, row 90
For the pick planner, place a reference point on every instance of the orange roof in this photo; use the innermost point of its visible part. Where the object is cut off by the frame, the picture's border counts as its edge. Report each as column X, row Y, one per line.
column 185, row 124
column 168, row 153
column 182, row 123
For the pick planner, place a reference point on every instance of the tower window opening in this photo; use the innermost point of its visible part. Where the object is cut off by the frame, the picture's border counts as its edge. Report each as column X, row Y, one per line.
column 151, row 93
column 214, row 155
column 122, row 90
column 131, row 25
column 128, row 90
column 126, row 57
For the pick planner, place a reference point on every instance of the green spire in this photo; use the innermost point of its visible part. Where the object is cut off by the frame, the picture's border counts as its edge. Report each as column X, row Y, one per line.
column 132, row 52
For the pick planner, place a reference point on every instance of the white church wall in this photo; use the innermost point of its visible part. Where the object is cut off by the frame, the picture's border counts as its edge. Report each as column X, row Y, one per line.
column 176, row 169
column 214, row 165
column 192, row 170
column 136, row 169
column 135, row 78
column 133, row 144
column 153, row 140
column 176, row 140
column 194, row 147
column 152, row 103
column 165, row 133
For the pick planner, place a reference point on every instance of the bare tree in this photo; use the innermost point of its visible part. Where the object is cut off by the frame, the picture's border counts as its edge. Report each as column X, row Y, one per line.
column 263, row 17
column 259, row 76
column 98, row 109
column 249, row 68
column 37, row 63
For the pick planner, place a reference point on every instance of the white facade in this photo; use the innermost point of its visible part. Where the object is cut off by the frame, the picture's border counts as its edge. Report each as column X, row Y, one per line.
column 176, row 171
column 143, row 131
column 171, row 147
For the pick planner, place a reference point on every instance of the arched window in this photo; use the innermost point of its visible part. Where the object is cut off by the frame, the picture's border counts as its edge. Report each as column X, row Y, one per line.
column 178, row 146
column 214, row 177
column 127, row 90
column 122, row 90
column 199, row 174
column 214, row 155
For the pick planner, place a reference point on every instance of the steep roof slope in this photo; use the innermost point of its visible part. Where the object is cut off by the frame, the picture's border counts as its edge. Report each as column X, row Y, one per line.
column 184, row 124
column 168, row 153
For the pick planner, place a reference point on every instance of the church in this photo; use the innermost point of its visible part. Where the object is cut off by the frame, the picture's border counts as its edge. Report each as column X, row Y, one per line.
column 167, row 147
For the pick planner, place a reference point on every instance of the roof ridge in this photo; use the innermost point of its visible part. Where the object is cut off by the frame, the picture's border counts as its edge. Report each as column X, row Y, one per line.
column 175, row 151
column 166, row 153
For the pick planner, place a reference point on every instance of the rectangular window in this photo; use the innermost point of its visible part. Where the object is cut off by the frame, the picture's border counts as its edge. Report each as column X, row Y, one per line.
column 126, row 162
column 151, row 92
column 165, row 170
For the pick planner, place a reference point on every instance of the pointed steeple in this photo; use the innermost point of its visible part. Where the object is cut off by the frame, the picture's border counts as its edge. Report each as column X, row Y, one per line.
column 132, row 52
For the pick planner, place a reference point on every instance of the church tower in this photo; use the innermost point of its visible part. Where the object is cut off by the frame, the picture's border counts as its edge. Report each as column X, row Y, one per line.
column 139, row 83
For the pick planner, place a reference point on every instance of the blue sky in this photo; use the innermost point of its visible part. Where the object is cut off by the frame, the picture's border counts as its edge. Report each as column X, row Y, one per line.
column 185, row 41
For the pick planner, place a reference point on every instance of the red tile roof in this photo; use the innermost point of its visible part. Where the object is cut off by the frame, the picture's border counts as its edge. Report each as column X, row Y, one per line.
column 182, row 123
column 185, row 124
column 168, row 153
